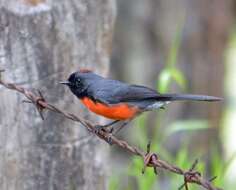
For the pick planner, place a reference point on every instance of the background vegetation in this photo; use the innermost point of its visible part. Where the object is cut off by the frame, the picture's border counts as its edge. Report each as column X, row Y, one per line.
column 178, row 47
column 183, row 46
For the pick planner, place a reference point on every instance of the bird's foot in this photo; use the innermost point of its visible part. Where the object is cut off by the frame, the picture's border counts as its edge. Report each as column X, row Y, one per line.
column 98, row 128
column 109, row 139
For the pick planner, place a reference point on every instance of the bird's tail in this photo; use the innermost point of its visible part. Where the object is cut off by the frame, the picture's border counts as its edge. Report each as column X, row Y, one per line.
column 191, row 97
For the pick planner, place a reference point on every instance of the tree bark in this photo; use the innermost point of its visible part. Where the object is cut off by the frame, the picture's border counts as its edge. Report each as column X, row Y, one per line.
column 41, row 43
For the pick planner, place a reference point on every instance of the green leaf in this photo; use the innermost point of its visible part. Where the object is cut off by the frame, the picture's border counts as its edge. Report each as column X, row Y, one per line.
column 187, row 125
column 182, row 157
column 113, row 183
column 136, row 167
column 174, row 50
column 170, row 72
column 179, row 78
column 141, row 130
column 164, row 80
column 145, row 181
column 217, row 165
column 228, row 163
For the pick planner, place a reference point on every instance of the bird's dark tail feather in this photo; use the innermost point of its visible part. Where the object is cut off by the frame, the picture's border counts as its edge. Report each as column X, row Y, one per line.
column 193, row 97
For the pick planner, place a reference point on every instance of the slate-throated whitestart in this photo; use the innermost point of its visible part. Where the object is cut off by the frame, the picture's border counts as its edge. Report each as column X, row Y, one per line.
column 120, row 101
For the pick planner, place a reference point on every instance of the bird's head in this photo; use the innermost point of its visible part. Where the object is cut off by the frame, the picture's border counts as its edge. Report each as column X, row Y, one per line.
column 78, row 82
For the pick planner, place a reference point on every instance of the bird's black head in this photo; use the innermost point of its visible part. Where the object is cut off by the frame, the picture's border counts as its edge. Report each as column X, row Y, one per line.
column 78, row 83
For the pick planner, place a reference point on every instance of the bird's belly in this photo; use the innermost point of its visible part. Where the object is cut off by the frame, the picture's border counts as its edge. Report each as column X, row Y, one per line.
column 120, row 111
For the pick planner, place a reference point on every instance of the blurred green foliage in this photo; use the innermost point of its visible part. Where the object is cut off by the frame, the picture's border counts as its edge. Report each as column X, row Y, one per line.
column 183, row 158
column 170, row 72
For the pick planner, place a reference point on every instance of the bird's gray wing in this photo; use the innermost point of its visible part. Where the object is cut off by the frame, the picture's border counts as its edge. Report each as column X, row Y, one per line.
column 113, row 92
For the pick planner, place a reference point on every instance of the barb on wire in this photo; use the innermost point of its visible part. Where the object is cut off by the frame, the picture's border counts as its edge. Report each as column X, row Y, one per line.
column 189, row 175
column 38, row 106
column 150, row 159
column 213, row 178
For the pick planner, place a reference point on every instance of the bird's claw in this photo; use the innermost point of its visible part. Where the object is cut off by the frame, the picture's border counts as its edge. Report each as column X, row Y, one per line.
column 111, row 130
column 109, row 139
column 97, row 128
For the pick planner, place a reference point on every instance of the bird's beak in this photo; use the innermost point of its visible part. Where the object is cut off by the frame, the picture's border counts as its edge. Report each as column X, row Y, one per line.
column 65, row 82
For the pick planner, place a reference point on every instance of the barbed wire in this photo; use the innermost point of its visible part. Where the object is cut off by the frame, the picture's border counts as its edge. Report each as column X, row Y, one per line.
column 150, row 159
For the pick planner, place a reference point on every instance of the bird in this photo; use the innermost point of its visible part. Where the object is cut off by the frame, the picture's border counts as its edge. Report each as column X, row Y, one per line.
column 121, row 101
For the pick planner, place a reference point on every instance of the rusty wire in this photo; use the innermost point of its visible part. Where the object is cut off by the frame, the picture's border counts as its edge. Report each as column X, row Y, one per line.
column 150, row 159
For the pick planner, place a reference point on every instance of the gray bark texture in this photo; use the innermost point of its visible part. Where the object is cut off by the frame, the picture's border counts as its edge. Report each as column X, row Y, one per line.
column 41, row 43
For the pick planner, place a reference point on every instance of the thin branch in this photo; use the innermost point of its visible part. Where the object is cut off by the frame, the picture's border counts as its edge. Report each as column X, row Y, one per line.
column 150, row 159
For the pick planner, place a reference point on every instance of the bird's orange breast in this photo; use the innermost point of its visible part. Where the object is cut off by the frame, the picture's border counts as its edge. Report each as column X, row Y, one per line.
column 120, row 111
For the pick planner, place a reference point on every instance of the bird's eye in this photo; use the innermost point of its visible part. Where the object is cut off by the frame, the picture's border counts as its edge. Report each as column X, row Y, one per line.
column 77, row 83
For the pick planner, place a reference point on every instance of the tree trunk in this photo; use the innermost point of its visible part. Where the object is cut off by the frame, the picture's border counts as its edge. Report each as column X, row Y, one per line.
column 41, row 43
